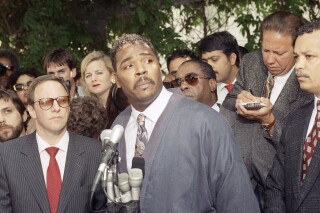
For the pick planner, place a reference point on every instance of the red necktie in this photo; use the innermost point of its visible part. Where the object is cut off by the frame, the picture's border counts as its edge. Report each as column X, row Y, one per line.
column 54, row 182
column 229, row 87
column 310, row 143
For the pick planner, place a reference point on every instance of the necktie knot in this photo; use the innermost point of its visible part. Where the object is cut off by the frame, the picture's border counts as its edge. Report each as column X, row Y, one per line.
column 318, row 105
column 141, row 119
column 229, row 87
column 52, row 151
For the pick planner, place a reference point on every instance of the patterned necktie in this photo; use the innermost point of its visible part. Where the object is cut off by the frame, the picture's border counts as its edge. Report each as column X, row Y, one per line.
column 310, row 143
column 54, row 182
column 269, row 85
column 229, row 87
column 142, row 136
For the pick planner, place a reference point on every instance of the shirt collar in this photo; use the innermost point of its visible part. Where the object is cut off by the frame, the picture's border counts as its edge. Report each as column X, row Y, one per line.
column 154, row 110
column 62, row 144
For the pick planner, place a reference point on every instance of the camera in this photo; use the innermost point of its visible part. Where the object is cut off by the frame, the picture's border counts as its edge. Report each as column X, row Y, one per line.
column 253, row 105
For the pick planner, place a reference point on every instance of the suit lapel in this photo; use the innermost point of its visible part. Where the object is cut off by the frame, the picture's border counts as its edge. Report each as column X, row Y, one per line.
column 287, row 96
column 32, row 170
column 299, row 131
column 71, row 176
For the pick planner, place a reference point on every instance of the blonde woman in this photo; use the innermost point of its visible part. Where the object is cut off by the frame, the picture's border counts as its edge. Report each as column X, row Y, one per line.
column 98, row 80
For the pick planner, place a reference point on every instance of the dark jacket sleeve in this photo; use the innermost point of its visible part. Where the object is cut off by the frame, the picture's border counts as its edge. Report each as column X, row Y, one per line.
column 5, row 199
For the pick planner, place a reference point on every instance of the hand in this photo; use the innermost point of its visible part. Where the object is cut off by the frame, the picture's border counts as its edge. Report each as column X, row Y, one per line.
column 263, row 115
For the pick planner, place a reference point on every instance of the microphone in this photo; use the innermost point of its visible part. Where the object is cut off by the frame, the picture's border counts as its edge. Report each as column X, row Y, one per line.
column 110, row 192
column 104, row 137
column 135, row 181
column 123, row 184
column 138, row 162
column 108, row 153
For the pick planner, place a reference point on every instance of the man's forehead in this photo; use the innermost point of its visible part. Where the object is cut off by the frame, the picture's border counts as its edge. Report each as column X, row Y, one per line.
column 6, row 104
column 56, row 67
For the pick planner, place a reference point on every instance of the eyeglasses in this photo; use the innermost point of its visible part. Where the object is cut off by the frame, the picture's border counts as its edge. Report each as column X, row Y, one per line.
column 191, row 78
column 47, row 103
column 20, row 87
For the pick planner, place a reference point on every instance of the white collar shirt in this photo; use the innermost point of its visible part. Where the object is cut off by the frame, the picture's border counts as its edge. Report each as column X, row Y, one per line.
column 152, row 113
column 60, row 157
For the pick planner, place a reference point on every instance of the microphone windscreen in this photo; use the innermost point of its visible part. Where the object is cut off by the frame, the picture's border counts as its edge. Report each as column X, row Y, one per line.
column 123, row 182
column 116, row 134
column 105, row 134
column 139, row 163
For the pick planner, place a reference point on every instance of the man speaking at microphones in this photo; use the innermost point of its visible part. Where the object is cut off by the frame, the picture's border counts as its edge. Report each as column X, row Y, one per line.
column 192, row 163
column 52, row 169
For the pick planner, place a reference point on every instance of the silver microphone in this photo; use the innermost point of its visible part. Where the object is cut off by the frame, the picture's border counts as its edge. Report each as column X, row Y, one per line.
column 123, row 184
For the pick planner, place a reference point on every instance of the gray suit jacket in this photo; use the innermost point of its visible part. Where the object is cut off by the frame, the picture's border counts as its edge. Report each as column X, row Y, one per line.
column 192, row 163
column 284, row 192
column 22, row 184
column 257, row 148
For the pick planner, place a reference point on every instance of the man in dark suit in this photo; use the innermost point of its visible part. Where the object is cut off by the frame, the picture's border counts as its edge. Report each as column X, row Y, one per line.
column 32, row 179
column 293, row 184
column 273, row 64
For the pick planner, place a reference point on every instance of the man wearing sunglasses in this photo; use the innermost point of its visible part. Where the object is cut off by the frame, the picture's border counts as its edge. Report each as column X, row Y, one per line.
column 11, row 112
column 52, row 169
column 197, row 81
column 192, row 162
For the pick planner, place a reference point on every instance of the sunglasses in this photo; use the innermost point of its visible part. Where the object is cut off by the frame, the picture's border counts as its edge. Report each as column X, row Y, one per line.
column 20, row 87
column 191, row 78
column 47, row 103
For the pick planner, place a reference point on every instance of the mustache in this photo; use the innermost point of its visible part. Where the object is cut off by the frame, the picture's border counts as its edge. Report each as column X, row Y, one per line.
column 144, row 79
column 5, row 126
column 301, row 74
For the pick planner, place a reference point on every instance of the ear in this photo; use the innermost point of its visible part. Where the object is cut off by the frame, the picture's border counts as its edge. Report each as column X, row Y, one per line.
column 233, row 59
column 212, row 85
column 31, row 111
column 73, row 73
column 117, row 80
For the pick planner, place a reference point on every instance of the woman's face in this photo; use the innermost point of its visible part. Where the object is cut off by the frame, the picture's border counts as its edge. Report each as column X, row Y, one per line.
column 21, row 87
column 97, row 78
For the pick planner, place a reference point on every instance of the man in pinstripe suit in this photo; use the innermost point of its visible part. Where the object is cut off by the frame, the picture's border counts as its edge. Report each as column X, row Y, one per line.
column 25, row 176
column 293, row 184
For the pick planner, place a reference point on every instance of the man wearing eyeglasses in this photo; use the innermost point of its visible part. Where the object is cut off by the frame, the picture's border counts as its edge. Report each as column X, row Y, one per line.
column 192, row 163
column 197, row 81
column 11, row 112
column 52, row 169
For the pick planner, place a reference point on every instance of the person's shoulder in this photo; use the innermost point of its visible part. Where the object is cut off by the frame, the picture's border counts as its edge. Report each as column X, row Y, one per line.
column 252, row 56
column 15, row 145
column 85, row 141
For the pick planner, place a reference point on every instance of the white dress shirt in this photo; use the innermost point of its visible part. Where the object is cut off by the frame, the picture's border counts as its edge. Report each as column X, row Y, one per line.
column 313, row 116
column 222, row 91
column 60, row 157
column 279, row 82
column 152, row 114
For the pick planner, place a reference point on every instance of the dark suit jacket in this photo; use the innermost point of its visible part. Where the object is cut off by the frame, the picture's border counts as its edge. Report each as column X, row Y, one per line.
column 257, row 148
column 22, row 184
column 284, row 192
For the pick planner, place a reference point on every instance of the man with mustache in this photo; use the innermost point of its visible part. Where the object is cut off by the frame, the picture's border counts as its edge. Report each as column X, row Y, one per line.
column 11, row 116
column 266, row 77
column 192, row 163
column 293, row 184
column 197, row 80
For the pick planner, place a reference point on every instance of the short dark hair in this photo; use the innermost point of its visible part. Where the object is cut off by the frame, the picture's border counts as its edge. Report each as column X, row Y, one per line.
column 282, row 22
column 128, row 39
column 308, row 28
column 11, row 56
column 32, row 72
column 87, row 116
column 59, row 57
column 205, row 68
column 181, row 53
column 7, row 95
column 41, row 79
column 223, row 41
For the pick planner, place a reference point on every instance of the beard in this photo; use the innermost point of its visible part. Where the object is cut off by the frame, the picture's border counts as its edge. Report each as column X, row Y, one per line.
column 10, row 132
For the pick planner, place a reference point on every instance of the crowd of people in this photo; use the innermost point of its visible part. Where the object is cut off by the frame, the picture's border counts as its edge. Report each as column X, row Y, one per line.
column 224, row 131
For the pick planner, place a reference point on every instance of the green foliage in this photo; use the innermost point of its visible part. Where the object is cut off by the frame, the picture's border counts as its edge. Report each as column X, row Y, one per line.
column 34, row 27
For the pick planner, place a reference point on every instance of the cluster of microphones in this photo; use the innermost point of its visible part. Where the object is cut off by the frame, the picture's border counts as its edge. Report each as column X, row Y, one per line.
column 121, row 189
